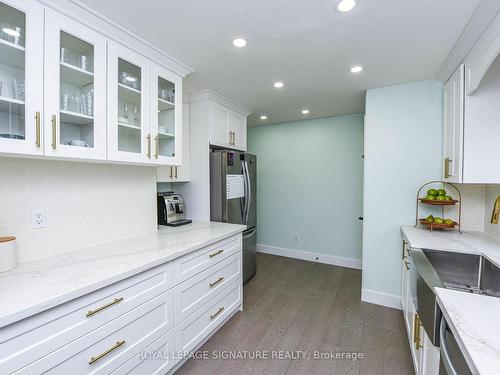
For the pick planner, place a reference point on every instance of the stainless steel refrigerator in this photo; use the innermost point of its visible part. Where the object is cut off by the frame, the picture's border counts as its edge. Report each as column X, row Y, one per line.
column 233, row 198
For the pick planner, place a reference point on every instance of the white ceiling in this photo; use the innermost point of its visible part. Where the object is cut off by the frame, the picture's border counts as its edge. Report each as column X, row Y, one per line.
column 306, row 44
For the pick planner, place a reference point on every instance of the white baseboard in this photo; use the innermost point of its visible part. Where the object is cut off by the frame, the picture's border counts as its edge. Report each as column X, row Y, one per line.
column 380, row 298
column 313, row 257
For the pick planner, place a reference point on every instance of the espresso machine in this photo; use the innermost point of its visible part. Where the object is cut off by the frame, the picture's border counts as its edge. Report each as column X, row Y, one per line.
column 171, row 210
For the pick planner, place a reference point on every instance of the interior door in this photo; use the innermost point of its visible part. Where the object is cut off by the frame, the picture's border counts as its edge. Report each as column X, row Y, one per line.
column 75, row 89
column 21, row 77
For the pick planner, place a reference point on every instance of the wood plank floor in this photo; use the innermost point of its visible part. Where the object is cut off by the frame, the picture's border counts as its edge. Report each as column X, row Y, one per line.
column 294, row 305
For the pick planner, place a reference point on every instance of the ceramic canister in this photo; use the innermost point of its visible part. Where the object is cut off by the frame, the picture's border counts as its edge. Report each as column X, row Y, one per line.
column 8, row 253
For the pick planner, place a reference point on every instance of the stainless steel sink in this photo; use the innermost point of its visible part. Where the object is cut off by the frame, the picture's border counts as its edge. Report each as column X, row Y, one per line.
column 469, row 273
column 466, row 272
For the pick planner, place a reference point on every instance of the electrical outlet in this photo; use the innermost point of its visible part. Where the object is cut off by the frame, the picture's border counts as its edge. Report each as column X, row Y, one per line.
column 296, row 238
column 38, row 219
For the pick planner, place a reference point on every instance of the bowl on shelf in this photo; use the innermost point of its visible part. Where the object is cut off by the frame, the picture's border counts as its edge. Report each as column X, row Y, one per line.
column 432, row 225
column 436, row 202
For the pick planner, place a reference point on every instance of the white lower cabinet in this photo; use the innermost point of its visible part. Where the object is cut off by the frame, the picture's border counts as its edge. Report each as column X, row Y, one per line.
column 135, row 326
column 424, row 354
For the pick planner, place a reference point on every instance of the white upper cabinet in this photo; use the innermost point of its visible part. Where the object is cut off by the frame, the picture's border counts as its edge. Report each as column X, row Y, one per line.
column 21, row 77
column 166, row 118
column 453, row 112
column 69, row 92
column 228, row 128
column 129, row 117
column 75, row 89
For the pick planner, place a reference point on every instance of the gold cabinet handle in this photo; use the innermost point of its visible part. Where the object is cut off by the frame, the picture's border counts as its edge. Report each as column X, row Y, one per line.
column 99, row 309
column 37, row 129
column 171, row 172
column 418, row 344
column 54, row 131
column 106, row 352
column 216, row 253
column 447, row 162
column 212, row 317
column 230, row 136
column 157, row 146
column 211, row 285
column 415, row 328
column 407, row 265
column 175, row 172
column 404, row 248
column 234, row 138
column 148, row 152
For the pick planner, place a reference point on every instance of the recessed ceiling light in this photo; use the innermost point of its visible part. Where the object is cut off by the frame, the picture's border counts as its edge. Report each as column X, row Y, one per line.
column 263, row 117
column 239, row 42
column 356, row 69
column 278, row 85
column 346, row 6
column 305, row 111
column 11, row 32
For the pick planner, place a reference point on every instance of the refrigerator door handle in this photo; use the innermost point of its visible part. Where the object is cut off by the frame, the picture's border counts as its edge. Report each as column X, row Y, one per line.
column 249, row 191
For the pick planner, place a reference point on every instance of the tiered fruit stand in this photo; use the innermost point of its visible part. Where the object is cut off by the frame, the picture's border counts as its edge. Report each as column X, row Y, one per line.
column 441, row 203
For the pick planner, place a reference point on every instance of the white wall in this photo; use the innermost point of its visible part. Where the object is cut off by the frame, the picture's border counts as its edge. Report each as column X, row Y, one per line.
column 84, row 204
column 403, row 150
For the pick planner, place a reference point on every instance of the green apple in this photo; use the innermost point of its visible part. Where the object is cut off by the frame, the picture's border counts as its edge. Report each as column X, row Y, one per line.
column 441, row 198
column 449, row 221
column 442, row 192
column 430, row 197
column 448, row 198
column 429, row 219
column 432, row 192
column 438, row 220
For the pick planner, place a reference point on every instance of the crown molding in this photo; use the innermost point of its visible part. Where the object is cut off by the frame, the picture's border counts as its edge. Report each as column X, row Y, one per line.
column 481, row 19
column 208, row 94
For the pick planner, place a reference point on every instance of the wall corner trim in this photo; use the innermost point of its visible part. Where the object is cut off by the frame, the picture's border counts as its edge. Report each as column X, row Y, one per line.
column 310, row 256
column 381, row 298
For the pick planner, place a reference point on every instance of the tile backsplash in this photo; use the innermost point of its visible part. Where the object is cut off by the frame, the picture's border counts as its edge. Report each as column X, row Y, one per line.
column 84, row 204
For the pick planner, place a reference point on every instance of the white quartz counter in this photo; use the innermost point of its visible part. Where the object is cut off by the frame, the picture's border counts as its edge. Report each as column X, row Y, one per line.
column 473, row 319
column 43, row 283
column 468, row 242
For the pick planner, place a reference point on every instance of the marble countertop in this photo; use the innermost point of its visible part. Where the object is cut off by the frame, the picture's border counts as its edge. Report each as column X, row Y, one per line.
column 473, row 320
column 468, row 242
column 40, row 284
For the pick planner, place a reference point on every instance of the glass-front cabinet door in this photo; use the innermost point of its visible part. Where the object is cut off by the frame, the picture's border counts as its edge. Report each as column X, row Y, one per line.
column 21, row 77
column 166, row 112
column 129, row 128
column 75, row 89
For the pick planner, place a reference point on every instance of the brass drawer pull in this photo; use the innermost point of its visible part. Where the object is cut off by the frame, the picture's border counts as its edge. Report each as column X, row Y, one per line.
column 37, row 129
column 54, row 131
column 212, row 317
column 99, row 309
column 157, row 146
column 216, row 253
column 447, row 162
column 105, row 353
column 211, row 285
column 148, row 151
column 418, row 345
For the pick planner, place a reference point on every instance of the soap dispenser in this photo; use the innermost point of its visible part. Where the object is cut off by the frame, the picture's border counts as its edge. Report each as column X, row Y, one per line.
column 496, row 211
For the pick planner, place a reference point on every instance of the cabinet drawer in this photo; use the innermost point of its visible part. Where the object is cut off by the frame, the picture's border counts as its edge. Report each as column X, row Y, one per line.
column 157, row 358
column 107, row 348
column 195, row 292
column 34, row 337
column 191, row 331
column 192, row 264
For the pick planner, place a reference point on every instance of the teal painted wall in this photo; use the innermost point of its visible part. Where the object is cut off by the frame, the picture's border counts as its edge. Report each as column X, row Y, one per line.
column 403, row 150
column 309, row 181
